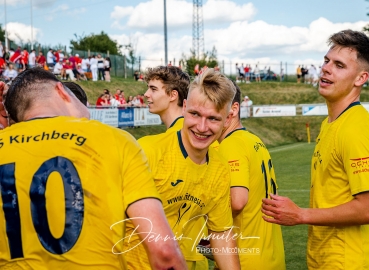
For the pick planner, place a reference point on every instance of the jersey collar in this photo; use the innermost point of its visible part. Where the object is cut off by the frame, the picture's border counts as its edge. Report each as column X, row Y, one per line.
column 183, row 149
column 349, row 106
column 175, row 121
column 230, row 133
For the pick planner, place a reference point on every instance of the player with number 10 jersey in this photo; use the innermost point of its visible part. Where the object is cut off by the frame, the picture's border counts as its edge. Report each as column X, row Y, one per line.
column 57, row 207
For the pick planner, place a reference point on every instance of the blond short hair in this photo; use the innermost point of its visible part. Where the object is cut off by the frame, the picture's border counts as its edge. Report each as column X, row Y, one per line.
column 215, row 86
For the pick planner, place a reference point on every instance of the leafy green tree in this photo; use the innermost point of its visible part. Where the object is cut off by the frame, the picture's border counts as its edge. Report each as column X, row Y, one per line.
column 2, row 33
column 209, row 59
column 98, row 43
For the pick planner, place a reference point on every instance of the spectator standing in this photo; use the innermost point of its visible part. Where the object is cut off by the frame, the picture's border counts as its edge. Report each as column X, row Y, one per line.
column 56, row 56
column 247, row 103
column 107, row 66
column 2, row 51
column 61, row 55
column 257, row 74
column 32, row 59
column 101, row 67
column 281, row 75
column 298, row 74
column 303, row 74
column 50, row 58
column 25, row 56
column 85, row 64
column 93, row 67
column 247, row 73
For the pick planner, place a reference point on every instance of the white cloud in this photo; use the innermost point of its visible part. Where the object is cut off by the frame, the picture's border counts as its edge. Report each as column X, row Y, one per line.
column 148, row 16
column 249, row 42
column 21, row 33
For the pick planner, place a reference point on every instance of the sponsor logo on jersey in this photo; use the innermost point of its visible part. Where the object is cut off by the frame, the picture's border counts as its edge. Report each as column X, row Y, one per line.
column 176, row 183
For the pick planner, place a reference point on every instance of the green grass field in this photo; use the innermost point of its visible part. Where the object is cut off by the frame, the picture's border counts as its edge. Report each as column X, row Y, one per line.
column 292, row 168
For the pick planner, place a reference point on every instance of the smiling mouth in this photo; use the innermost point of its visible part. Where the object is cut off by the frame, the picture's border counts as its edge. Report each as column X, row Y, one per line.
column 199, row 136
column 325, row 81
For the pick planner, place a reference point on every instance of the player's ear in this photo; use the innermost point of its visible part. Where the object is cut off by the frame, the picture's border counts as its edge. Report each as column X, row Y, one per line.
column 63, row 94
column 235, row 108
column 184, row 106
column 173, row 95
column 362, row 78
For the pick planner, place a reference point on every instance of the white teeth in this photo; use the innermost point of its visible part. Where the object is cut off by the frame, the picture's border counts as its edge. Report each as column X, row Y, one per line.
column 200, row 136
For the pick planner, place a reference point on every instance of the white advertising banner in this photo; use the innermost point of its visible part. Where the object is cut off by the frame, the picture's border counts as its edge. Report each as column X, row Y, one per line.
column 320, row 109
column 274, row 110
column 142, row 117
column 107, row 116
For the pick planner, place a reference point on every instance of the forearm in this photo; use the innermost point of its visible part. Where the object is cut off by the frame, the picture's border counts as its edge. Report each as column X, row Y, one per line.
column 281, row 210
column 351, row 213
column 226, row 255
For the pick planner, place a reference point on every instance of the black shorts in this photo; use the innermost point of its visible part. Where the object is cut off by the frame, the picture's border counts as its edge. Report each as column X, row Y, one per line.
column 298, row 76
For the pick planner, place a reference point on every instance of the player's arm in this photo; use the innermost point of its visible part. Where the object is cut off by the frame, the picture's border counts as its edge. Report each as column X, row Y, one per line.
column 239, row 198
column 224, row 247
column 163, row 254
column 281, row 210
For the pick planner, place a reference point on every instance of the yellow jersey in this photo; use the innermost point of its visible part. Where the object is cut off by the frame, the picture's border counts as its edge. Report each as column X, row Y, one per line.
column 340, row 170
column 189, row 191
column 260, row 243
column 65, row 182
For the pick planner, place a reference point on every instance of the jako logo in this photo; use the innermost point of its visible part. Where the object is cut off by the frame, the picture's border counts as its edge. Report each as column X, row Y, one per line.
column 176, row 183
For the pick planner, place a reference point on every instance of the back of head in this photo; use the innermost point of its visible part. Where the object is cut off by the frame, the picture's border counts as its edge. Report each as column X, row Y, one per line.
column 78, row 91
column 215, row 86
column 237, row 97
column 173, row 78
column 355, row 40
column 28, row 87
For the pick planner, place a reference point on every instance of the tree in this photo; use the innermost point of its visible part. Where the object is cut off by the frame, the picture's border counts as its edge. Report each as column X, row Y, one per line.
column 98, row 43
column 2, row 33
column 209, row 59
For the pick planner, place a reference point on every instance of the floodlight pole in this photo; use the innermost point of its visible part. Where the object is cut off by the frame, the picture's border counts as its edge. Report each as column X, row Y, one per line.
column 6, row 33
column 31, row 27
column 165, row 33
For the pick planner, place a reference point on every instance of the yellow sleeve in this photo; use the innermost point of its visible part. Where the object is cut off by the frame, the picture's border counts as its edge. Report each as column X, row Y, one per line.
column 138, row 182
column 238, row 162
column 355, row 157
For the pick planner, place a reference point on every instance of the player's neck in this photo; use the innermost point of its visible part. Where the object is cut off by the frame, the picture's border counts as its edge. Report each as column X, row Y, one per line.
column 171, row 114
column 235, row 124
column 196, row 155
column 336, row 108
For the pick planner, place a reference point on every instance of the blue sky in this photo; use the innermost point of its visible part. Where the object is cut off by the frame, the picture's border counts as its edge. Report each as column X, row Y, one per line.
column 264, row 31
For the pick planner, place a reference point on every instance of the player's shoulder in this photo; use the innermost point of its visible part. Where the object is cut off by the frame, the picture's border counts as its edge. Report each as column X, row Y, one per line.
column 158, row 141
column 353, row 121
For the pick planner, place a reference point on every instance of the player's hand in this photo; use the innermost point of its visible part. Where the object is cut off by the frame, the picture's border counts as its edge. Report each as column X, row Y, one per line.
column 3, row 113
column 281, row 210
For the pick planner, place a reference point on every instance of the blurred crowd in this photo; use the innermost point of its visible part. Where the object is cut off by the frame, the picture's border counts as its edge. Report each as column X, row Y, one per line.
column 66, row 66
column 118, row 99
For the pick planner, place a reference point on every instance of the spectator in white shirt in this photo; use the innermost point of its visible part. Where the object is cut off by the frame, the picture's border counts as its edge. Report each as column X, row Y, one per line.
column 32, row 59
column 2, row 51
column 58, row 68
column 85, row 64
column 93, row 67
column 10, row 73
column 50, row 58
column 247, row 103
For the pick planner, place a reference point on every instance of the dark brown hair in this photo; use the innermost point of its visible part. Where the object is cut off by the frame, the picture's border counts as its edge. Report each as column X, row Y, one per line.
column 355, row 40
column 173, row 78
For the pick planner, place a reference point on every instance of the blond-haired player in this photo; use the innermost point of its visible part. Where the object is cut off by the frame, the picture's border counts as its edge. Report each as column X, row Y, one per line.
column 191, row 178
